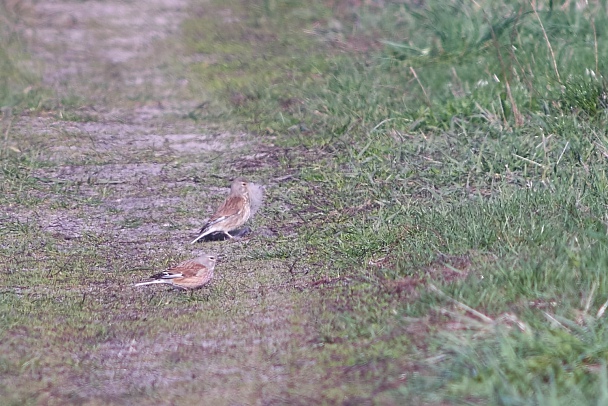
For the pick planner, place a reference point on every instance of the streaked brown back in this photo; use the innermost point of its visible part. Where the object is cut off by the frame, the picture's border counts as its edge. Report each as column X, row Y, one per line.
column 188, row 268
column 231, row 206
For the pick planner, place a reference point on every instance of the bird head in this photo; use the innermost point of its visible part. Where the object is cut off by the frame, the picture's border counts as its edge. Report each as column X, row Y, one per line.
column 239, row 187
column 208, row 260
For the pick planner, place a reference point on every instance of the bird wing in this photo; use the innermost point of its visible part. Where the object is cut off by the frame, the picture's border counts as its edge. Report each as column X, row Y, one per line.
column 232, row 206
column 171, row 275
column 167, row 275
column 186, row 269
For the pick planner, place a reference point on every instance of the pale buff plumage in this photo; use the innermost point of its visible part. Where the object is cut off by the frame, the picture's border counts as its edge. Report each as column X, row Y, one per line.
column 256, row 197
column 190, row 274
column 244, row 200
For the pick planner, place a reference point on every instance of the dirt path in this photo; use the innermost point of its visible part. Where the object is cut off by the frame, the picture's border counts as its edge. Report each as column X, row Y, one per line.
column 123, row 184
column 132, row 137
column 107, row 50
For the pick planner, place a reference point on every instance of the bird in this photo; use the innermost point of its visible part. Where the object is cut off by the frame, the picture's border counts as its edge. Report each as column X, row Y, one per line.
column 244, row 200
column 188, row 275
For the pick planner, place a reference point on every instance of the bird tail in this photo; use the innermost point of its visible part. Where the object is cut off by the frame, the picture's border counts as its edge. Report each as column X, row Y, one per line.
column 201, row 236
column 152, row 282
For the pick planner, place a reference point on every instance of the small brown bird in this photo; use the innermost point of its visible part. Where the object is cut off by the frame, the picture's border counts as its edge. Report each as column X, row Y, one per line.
column 190, row 274
column 235, row 210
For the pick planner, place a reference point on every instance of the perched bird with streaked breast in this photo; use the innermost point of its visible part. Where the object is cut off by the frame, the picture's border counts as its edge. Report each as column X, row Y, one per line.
column 188, row 275
column 244, row 200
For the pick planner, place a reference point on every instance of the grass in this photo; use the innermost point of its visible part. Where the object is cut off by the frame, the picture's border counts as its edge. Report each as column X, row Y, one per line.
column 462, row 138
column 19, row 88
column 442, row 238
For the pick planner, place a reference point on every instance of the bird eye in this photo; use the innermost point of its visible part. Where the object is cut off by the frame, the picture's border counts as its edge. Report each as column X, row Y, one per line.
column 211, row 258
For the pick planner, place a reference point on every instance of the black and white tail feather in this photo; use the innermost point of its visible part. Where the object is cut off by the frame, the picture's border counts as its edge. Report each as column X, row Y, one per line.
column 163, row 277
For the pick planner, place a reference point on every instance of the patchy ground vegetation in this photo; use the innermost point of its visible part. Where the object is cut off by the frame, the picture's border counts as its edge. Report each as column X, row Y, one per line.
column 435, row 229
